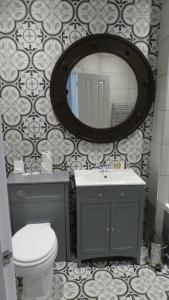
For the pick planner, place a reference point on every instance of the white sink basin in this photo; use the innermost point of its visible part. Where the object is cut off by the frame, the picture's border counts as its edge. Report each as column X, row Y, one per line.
column 96, row 177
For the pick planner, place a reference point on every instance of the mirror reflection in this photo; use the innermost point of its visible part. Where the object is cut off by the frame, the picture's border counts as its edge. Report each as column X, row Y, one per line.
column 102, row 90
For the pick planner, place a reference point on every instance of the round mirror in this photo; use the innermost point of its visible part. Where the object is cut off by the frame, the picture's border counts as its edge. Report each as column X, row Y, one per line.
column 102, row 90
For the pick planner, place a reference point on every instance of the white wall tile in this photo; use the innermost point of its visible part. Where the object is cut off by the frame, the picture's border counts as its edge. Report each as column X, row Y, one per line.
column 155, row 157
column 133, row 81
column 159, row 219
column 166, row 128
column 133, row 93
column 164, row 2
column 153, row 187
column 158, row 121
column 120, row 65
column 164, row 26
column 160, row 135
column 164, row 170
column 119, row 81
column 163, row 58
column 163, row 190
column 162, row 93
column 107, row 64
column 118, row 96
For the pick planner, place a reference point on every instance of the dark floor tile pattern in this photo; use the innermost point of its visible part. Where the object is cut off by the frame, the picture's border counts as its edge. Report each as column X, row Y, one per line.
column 108, row 280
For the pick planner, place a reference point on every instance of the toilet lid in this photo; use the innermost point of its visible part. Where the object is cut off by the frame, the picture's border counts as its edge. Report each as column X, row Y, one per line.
column 33, row 242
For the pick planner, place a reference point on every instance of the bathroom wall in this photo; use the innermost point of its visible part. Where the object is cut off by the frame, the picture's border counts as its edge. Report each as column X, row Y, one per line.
column 33, row 34
column 159, row 164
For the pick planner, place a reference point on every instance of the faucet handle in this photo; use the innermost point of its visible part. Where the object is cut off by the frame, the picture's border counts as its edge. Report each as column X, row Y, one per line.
column 107, row 167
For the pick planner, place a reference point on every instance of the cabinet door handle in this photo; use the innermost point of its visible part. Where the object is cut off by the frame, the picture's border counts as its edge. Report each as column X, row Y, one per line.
column 122, row 194
column 20, row 193
column 107, row 229
column 100, row 195
column 112, row 229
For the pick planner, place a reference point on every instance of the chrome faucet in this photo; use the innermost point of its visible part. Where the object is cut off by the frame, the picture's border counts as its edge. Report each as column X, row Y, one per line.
column 104, row 168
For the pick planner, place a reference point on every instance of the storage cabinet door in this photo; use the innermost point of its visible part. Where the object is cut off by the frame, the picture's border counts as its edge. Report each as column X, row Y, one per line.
column 95, row 228
column 124, row 227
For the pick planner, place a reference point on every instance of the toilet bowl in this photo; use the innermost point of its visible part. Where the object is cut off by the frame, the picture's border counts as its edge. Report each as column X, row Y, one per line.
column 35, row 248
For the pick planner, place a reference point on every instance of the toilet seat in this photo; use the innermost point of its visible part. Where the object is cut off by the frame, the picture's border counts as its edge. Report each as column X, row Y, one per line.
column 37, row 262
column 33, row 244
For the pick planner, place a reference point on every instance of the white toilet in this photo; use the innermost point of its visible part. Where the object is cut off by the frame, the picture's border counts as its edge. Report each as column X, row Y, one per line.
column 35, row 248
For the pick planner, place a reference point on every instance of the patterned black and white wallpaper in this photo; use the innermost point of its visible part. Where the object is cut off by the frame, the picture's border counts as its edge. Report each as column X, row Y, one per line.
column 33, row 34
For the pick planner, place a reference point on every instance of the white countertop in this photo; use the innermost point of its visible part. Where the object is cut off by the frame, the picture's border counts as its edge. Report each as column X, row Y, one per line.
column 166, row 207
column 56, row 177
column 97, row 177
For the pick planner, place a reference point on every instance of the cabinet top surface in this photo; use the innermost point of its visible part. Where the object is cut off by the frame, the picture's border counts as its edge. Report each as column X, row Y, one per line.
column 55, row 177
column 96, row 177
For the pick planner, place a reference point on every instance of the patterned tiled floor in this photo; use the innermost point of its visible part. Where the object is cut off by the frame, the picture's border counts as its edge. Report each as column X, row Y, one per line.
column 108, row 280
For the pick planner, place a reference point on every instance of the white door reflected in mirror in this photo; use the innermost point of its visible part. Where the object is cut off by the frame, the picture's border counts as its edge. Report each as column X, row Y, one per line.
column 102, row 90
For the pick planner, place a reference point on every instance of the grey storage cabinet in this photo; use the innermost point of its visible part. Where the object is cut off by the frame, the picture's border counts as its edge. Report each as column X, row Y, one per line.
column 42, row 198
column 109, row 221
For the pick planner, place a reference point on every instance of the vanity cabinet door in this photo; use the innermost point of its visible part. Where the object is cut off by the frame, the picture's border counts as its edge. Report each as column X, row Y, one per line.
column 124, row 228
column 95, row 227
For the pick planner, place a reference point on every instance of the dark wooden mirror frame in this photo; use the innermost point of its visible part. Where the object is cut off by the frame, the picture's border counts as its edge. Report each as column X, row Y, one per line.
column 90, row 45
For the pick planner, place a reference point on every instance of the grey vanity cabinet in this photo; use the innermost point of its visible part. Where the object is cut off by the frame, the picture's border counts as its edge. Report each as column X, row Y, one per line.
column 124, row 228
column 109, row 221
column 42, row 198
column 94, row 223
